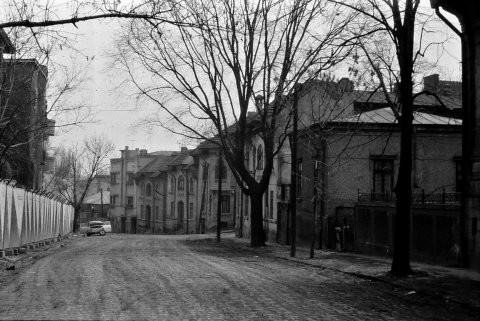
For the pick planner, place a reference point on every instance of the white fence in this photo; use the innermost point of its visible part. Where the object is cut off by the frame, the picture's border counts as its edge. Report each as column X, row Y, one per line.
column 27, row 217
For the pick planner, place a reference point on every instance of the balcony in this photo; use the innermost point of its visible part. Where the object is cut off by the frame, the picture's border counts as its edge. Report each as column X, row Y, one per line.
column 417, row 198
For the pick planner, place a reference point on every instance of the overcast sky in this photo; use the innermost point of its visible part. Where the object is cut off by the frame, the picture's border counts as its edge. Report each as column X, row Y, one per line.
column 116, row 112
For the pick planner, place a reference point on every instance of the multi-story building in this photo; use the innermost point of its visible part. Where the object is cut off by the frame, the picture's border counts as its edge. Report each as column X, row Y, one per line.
column 125, row 208
column 214, row 180
column 354, row 171
column 25, row 127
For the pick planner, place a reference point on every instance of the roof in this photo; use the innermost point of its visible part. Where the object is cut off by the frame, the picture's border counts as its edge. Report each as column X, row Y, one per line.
column 378, row 97
column 180, row 158
column 5, row 42
column 159, row 163
column 386, row 116
column 96, row 198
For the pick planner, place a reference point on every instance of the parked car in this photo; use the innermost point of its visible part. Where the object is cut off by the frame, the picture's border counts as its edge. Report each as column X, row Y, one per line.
column 107, row 226
column 95, row 227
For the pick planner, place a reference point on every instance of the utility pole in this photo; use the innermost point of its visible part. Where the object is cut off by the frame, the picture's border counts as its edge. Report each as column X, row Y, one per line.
column 101, row 202
column 219, row 205
column 314, row 214
column 293, row 181
column 187, row 185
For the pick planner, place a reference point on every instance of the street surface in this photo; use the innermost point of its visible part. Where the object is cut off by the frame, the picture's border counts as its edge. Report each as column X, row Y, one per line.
column 144, row 277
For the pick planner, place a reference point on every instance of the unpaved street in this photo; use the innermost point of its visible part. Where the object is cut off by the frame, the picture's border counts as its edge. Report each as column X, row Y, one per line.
column 135, row 277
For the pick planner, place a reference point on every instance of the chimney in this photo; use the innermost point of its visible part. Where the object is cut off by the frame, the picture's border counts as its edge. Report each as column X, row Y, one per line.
column 430, row 83
column 259, row 102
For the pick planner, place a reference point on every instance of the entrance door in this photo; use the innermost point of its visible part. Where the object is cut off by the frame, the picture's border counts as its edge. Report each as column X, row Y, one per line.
column 180, row 214
column 133, row 225
column 122, row 224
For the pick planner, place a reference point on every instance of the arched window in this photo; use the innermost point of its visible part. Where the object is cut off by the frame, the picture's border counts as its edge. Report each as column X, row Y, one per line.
column 220, row 174
column 259, row 157
column 181, row 183
column 172, row 184
column 190, row 185
column 148, row 189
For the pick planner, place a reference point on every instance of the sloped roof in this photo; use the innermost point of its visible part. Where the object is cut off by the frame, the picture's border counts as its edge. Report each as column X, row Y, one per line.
column 180, row 158
column 386, row 116
column 95, row 199
column 159, row 163
column 5, row 42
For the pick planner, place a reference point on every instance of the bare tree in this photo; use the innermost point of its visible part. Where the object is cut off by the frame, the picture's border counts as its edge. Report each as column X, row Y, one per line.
column 242, row 56
column 392, row 43
column 35, row 15
column 75, row 169
column 29, row 99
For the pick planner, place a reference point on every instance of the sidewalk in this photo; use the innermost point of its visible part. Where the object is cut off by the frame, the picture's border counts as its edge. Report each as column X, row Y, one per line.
column 458, row 285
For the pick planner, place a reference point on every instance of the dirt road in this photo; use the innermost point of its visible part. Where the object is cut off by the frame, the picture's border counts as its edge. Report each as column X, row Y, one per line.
column 136, row 277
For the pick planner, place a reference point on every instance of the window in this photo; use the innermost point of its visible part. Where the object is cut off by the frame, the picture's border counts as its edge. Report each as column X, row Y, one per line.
column 190, row 211
column 299, row 177
column 148, row 189
column 113, row 199
column 225, row 203
column 130, row 178
column 181, row 183
column 172, row 184
column 172, row 209
column 142, row 189
column 259, row 157
column 130, row 201
column 383, row 175
column 113, row 178
column 220, row 174
column 156, row 210
column 156, row 191
column 190, row 185
column 142, row 211
column 254, row 157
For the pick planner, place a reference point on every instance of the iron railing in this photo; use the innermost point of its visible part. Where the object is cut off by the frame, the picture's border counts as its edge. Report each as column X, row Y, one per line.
column 417, row 198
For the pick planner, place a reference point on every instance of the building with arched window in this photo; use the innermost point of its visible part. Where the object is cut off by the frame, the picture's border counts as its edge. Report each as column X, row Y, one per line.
column 182, row 197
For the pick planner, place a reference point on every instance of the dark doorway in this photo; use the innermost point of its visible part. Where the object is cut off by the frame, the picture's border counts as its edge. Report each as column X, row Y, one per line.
column 148, row 216
column 180, row 214
column 122, row 224
column 133, row 225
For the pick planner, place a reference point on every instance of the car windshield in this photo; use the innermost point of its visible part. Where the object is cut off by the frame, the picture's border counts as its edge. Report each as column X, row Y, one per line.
column 95, row 223
column 106, row 223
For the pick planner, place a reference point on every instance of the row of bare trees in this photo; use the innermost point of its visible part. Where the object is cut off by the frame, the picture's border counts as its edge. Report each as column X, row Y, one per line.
column 210, row 62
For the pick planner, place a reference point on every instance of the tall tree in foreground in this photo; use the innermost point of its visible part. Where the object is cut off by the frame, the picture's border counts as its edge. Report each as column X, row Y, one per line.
column 388, row 30
column 244, row 55
column 75, row 169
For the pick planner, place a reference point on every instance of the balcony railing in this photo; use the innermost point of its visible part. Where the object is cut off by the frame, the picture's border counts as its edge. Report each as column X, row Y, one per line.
column 417, row 198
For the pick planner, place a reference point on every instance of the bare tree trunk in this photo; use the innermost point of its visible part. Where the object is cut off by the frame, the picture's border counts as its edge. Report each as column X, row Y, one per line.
column 219, row 201
column 257, row 235
column 403, row 188
column 76, row 217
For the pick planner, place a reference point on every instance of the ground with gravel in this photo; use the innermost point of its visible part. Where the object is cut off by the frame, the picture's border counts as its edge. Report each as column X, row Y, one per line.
column 145, row 277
